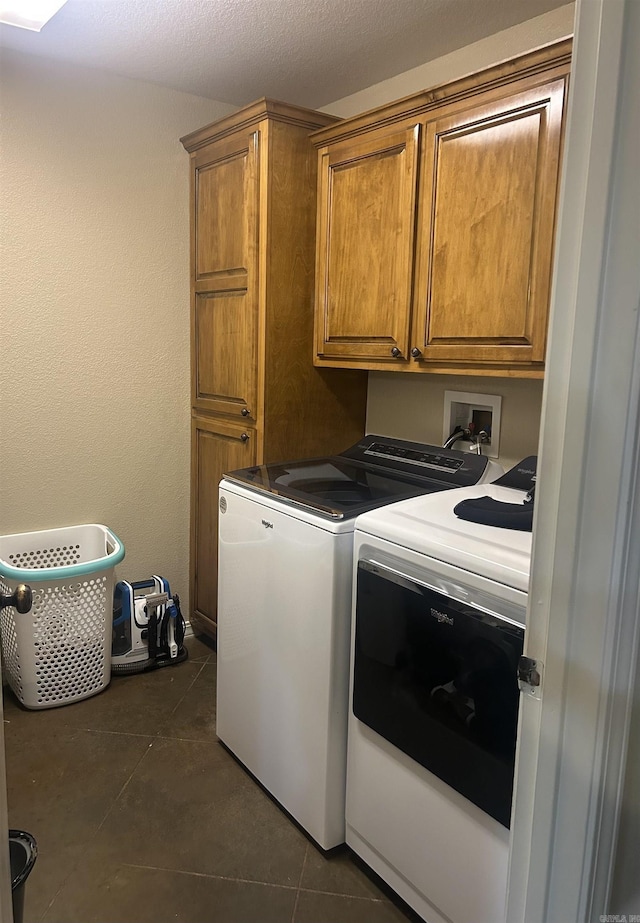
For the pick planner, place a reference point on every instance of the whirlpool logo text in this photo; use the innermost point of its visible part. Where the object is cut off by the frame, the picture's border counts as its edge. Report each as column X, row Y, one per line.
column 441, row 617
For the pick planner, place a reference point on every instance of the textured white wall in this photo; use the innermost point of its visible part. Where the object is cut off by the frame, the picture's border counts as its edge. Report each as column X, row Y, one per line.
column 520, row 39
column 94, row 302
column 401, row 407
column 94, row 306
column 411, row 406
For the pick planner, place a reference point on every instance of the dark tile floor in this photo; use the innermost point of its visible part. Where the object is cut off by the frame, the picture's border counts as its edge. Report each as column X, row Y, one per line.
column 141, row 815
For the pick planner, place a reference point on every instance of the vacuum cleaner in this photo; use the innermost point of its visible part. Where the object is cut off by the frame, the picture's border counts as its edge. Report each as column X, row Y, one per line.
column 148, row 627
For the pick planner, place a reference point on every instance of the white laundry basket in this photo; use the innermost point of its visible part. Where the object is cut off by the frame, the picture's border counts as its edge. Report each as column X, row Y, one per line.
column 60, row 651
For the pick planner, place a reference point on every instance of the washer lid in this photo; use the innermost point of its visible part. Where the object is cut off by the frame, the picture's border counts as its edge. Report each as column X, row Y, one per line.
column 428, row 525
column 375, row 471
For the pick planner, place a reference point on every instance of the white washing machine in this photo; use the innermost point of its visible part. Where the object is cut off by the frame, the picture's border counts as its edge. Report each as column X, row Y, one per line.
column 439, row 606
column 284, row 610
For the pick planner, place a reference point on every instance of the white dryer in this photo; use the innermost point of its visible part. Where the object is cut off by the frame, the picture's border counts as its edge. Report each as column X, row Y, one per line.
column 438, row 630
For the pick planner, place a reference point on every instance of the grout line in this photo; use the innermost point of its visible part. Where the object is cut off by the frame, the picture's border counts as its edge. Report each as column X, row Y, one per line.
column 255, row 881
column 351, row 897
column 124, row 786
column 212, row 738
column 295, row 903
column 50, row 904
column 356, row 897
column 71, row 727
column 187, row 691
column 152, row 737
column 304, row 862
column 295, row 906
column 242, row 881
column 202, row 664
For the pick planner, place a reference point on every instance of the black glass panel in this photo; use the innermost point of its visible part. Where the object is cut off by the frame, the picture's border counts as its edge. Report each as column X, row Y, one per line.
column 438, row 679
column 334, row 485
column 374, row 471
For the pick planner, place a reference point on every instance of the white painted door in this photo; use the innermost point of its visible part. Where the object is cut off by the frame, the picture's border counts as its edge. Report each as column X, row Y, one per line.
column 583, row 618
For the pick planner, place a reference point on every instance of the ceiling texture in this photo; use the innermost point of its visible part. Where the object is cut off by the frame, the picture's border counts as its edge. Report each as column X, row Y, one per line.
column 309, row 52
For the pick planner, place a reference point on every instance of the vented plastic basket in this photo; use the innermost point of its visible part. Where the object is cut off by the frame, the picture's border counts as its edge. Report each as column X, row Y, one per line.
column 60, row 651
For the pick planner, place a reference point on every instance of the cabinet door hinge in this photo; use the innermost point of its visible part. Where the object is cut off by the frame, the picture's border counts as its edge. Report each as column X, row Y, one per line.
column 530, row 676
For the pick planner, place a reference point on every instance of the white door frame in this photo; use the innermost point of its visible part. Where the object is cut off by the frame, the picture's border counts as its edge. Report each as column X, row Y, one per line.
column 6, row 911
column 583, row 619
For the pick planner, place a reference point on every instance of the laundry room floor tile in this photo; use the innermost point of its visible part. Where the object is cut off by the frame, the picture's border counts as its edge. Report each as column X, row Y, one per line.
column 313, row 907
column 200, row 648
column 123, row 894
column 61, row 785
column 337, row 873
column 134, row 704
column 194, row 718
column 203, row 800
column 140, row 814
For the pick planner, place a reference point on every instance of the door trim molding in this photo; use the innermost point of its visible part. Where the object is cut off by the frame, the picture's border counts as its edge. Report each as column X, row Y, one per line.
column 583, row 618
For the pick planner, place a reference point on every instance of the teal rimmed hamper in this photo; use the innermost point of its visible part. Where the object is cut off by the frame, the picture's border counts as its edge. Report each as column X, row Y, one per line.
column 60, row 651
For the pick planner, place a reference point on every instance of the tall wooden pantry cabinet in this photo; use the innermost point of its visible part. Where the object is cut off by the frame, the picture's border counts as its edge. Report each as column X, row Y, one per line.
column 255, row 394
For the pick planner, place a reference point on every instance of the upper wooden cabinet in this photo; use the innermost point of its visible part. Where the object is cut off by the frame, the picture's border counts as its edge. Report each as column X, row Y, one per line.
column 485, row 244
column 256, row 396
column 365, row 259
column 436, row 223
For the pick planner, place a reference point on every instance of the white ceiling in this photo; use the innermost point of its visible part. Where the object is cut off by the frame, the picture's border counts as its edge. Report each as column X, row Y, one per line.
column 309, row 52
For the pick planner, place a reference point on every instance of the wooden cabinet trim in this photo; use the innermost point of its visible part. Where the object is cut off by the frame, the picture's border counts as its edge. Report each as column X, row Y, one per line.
column 227, row 429
column 222, row 149
column 488, row 369
column 342, row 154
column 201, row 622
column 255, row 112
column 225, row 407
column 539, row 62
column 223, row 281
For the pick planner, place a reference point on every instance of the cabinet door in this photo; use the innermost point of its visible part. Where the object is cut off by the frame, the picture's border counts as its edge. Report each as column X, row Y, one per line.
column 216, row 448
column 366, row 223
column 224, row 322
column 490, row 178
